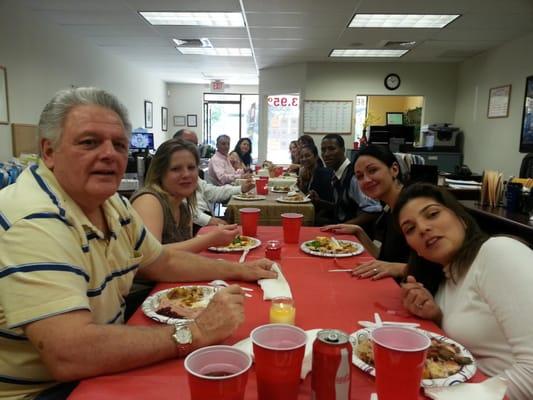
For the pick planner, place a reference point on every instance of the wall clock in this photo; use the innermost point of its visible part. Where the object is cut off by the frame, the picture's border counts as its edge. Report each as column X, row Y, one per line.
column 392, row 81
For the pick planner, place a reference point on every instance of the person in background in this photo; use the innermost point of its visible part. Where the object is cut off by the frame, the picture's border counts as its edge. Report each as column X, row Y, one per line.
column 167, row 201
column 70, row 247
column 208, row 194
column 484, row 301
column 378, row 174
column 243, row 148
column 294, row 150
column 349, row 204
column 236, row 161
column 220, row 170
column 314, row 178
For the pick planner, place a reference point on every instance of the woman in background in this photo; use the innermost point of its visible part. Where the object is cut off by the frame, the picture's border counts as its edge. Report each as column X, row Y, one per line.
column 244, row 149
column 236, row 161
column 294, row 150
column 312, row 176
column 484, row 301
column 167, row 200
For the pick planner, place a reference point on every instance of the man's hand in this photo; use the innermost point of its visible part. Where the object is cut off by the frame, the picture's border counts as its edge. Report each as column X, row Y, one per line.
column 377, row 269
column 257, row 269
column 418, row 301
column 246, row 175
column 247, row 185
column 315, row 198
column 223, row 315
column 217, row 221
column 222, row 235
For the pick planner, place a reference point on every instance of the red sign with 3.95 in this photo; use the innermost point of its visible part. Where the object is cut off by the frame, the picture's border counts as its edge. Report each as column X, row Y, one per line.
column 283, row 101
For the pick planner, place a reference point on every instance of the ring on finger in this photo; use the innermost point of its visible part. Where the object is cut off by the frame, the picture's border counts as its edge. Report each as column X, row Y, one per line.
column 375, row 270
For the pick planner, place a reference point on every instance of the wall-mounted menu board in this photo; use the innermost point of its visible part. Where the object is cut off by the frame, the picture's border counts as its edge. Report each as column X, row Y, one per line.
column 328, row 116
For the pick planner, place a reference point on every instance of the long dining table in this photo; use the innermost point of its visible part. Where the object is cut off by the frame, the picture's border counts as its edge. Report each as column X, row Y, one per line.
column 323, row 300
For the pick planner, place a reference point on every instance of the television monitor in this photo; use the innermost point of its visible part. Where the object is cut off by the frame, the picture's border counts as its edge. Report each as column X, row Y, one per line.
column 142, row 141
column 526, row 135
column 394, row 118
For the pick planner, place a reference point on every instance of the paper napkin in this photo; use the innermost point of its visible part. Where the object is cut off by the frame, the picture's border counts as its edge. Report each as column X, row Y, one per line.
column 491, row 389
column 246, row 346
column 278, row 287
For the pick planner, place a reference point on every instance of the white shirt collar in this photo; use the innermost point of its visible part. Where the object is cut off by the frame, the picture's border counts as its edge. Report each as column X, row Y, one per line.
column 341, row 169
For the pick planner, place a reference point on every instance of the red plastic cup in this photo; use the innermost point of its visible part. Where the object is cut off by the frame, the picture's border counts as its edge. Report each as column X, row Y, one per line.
column 249, row 220
column 273, row 250
column 399, row 356
column 292, row 223
column 261, row 186
column 257, row 168
column 265, row 178
column 218, row 372
column 279, row 352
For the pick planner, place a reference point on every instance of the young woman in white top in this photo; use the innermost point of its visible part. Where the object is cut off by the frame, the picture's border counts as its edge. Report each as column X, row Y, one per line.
column 485, row 300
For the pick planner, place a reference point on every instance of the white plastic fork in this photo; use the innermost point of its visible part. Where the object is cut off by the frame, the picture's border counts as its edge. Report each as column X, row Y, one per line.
column 377, row 319
column 221, row 283
column 243, row 256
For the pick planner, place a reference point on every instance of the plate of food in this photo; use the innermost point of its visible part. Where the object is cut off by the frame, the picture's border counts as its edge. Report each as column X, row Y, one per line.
column 447, row 361
column 249, row 197
column 324, row 246
column 281, row 189
column 294, row 198
column 240, row 243
column 178, row 305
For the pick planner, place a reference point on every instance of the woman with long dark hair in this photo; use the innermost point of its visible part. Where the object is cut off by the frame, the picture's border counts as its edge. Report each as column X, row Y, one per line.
column 244, row 149
column 312, row 176
column 484, row 301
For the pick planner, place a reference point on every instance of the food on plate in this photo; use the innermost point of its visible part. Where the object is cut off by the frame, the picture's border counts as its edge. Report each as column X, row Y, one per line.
column 282, row 188
column 182, row 302
column 443, row 360
column 248, row 195
column 294, row 197
column 240, row 242
column 324, row 244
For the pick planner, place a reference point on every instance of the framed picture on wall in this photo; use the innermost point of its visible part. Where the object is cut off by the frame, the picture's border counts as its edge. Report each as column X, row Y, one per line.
column 499, row 102
column 164, row 119
column 526, row 134
column 148, row 114
column 179, row 120
column 191, row 120
column 4, row 106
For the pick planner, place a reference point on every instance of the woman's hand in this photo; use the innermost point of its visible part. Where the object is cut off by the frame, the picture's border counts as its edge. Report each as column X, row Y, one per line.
column 418, row 301
column 222, row 235
column 343, row 229
column 377, row 269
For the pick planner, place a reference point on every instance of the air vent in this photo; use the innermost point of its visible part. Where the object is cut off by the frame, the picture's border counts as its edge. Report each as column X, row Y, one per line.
column 193, row 43
column 459, row 53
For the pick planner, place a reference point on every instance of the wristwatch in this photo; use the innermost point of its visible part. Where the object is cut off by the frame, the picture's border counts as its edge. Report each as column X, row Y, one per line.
column 183, row 337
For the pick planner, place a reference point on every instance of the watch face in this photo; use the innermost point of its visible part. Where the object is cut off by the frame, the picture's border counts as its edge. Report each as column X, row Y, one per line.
column 183, row 335
column 392, row 81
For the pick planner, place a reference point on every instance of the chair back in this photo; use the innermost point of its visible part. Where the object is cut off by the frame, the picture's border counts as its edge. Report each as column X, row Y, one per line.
column 526, row 168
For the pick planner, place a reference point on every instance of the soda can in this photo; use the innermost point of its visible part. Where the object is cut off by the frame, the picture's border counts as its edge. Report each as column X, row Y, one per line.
column 331, row 375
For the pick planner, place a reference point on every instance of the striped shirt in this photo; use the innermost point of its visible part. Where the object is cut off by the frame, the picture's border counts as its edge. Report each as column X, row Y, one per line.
column 54, row 260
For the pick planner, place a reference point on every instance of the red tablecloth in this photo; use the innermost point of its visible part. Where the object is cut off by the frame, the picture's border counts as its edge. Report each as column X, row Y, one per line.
column 323, row 300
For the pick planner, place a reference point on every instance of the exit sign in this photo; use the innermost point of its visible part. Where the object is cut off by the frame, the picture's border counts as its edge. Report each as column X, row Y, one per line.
column 217, row 86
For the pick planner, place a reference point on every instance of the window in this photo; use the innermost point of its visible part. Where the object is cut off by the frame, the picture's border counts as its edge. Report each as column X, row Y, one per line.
column 283, row 125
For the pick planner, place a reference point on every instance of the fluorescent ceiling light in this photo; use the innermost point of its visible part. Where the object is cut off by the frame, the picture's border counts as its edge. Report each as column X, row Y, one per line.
column 227, row 19
column 220, row 51
column 367, row 53
column 401, row 20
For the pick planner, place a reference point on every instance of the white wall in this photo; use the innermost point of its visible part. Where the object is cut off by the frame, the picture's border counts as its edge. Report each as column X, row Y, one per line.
column 344, row 81
column 42, row 59
column 189, row 99
column 493, row 143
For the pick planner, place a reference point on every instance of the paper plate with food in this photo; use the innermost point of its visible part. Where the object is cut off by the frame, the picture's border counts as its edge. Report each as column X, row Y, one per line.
column 294, row 198
column 240, row 243
column 447, row 362
column 281, row 189
column 249, row 197
column 324, row 246
column 178, row 305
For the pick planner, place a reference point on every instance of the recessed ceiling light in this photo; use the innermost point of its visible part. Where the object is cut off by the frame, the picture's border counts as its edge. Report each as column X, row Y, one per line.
column 220, row 51
column 367, row 53
column 401, row 20
column 227, row 19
